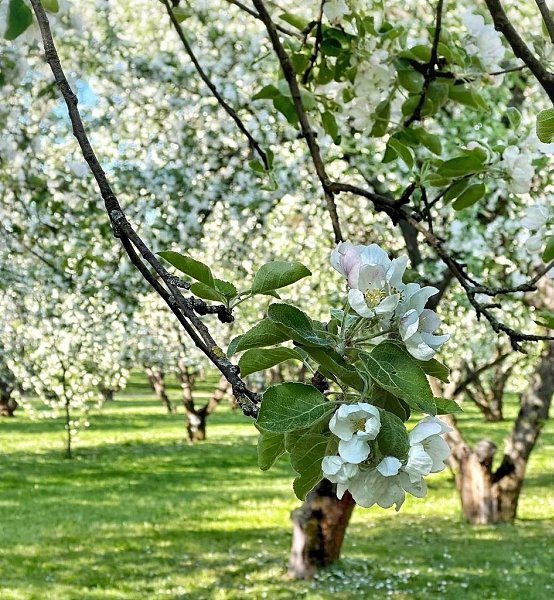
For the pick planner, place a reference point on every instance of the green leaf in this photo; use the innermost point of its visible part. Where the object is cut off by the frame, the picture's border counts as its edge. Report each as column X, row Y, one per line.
column 296, row 324
column 398, row 372
column 514, row 116
column 291, row 405
column 201, row 290
column 429, row 140
column 306, row 457
column 421, row 52
column 20, row 18
column 258, row 359
column 332, row 361
column 446, row 406
column 226, row 288
column 402, row 151
column 467, row 97
column 268, row 92
column 469, row 197
column 382, row 118
column 545, row 125
column 52, row 6
column 383, row 399
column 270, row 447
column 181, row 13
column 548, row 253
column 330, row 126
column 295, row 20
column 277, row 274
column 411, row 80
column 319, row 426
column 194, row 268
column 455, row 190
column 460, row 166
column 286, row 107
column 256, row 166
column 263, row 334
column 393, row 438
column 436, row 369
column 547, row 319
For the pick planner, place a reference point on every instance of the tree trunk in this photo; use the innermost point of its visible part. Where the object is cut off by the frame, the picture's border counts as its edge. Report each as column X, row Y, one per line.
column 156, row 378
column 319, row 527
column 107, row 394
column 7, row 404
column 492, row 497
column 535, row 406
column 196, row 418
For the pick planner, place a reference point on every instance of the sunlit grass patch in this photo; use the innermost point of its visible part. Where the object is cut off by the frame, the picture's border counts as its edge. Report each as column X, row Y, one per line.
column 141, row 513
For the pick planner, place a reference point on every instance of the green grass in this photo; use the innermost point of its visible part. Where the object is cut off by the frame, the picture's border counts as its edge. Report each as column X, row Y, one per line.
column 140, row 513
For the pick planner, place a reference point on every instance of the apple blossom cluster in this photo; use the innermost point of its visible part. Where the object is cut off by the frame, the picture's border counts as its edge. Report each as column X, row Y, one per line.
column 518, row 168
column 486, row 43
column 371, row 478
column 539, row 220
column 384, row 302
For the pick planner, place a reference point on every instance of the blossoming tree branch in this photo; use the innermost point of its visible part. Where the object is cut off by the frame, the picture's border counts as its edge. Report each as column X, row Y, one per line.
column 353, row 85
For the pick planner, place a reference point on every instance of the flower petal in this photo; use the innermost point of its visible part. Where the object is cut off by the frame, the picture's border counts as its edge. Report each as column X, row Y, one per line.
column 387, row 305
column 389, row 466
column 419, row 463
column 427, row 427
column 356, row 299
column 396, row 272
column 417, row 489
column 355, row 450
column 438, row 449
column 409, row 324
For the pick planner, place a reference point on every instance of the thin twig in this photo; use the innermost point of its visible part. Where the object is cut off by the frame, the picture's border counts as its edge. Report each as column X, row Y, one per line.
column 129, row 238
column 547, row 18
column 317, row 43
column 213, row 89
column 307, row 131
column 430, row 73
column 254, row 14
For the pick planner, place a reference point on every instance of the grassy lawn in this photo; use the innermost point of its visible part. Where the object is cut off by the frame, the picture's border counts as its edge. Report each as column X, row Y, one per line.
column 141, row 514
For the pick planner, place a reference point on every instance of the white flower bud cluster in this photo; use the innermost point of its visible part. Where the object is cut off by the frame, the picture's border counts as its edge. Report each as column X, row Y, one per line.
column 378, row 294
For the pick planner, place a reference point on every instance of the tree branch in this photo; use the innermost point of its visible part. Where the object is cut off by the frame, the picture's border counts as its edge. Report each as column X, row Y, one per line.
column 547, row 18
column 520, row 48
column 257, row 16
column 130, row 239
column 307, row 131
column 213, row 89
column 430, row 73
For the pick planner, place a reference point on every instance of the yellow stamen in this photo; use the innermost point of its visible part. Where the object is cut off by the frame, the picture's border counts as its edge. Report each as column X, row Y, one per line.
column 374, row 297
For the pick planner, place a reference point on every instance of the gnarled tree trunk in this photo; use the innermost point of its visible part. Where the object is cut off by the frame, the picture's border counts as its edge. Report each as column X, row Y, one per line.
column 8, row 405
column 156, row 379
column 489, row 496
column 196, row 417
column 319, row 527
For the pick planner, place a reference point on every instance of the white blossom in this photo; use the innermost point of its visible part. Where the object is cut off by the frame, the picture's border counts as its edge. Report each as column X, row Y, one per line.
column 486, row 42
column 355, row 425
column 519, row 169
column 339, row 471
column 418, row 324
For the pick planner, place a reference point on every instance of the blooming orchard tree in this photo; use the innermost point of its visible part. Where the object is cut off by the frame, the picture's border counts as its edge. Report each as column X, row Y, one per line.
column 421, row 134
